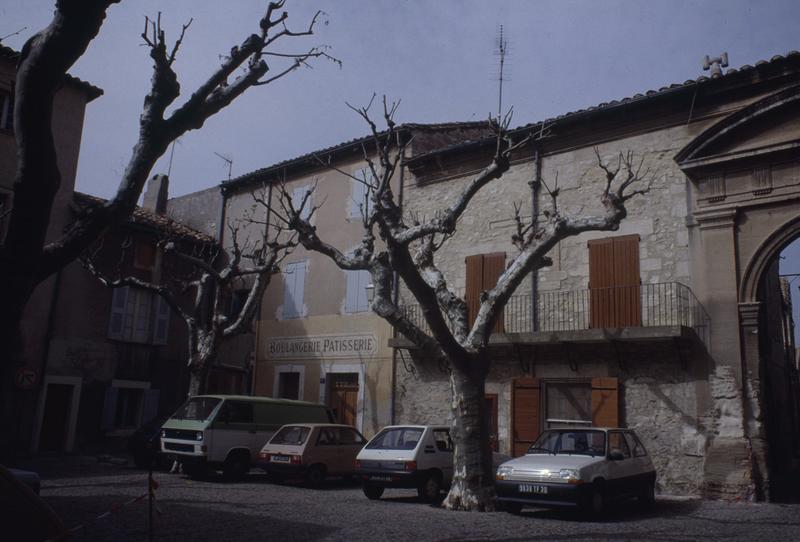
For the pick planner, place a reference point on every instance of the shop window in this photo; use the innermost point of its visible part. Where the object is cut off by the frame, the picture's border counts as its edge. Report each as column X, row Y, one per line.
column 289, row 385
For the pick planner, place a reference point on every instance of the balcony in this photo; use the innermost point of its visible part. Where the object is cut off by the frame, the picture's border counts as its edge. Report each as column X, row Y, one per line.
column 667, row 310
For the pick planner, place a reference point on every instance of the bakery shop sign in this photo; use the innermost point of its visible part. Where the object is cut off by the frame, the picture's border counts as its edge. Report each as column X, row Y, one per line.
column 322, row 346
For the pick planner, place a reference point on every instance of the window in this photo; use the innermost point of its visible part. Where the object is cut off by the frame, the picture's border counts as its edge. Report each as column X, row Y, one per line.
column 614, row 283
column 289, row 385
column 238, row 299
column 297, row 200
column 568, row 404
column 359, row 198
column 6, row 111
column 128, row 404
column 617, row 444
column 483, row 270
column 294, row 278
column 349, row 436
column 291, row 435
column 443, row 441
column 636, row 445
column 138, row 316
column 356, row 291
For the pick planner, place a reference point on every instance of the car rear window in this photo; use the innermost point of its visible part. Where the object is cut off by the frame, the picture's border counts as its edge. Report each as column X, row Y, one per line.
column 396, row 438
column 291, row 435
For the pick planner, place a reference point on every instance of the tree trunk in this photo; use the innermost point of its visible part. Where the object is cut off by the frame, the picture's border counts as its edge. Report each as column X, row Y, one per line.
column 204, row 360
column 473, row 475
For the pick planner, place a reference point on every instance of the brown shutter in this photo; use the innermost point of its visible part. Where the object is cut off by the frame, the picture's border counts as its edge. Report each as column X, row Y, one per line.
column 601, row 279
column 605, row 402
column 524, row 415
column 474, row 285
column 614, row 283
column 493, row 266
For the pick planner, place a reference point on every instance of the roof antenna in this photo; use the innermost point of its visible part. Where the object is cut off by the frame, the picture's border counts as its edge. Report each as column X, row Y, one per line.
column 715, row 64
column 171, row 154
column 229, row 160
column 14, row 33
column 502, row 48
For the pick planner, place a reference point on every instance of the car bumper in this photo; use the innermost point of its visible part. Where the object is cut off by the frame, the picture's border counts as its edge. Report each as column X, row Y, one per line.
column 402, row 479
column 549, row 494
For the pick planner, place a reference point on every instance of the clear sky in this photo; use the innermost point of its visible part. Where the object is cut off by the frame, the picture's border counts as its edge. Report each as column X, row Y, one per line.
column 436, row 56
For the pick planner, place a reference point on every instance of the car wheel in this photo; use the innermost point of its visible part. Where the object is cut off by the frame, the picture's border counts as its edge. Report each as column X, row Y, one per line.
column 372, row 491
column 647, row 497
column 512, row 507
column 315, row 475
column 235, row 467
column 431, row 488
column 594, row 501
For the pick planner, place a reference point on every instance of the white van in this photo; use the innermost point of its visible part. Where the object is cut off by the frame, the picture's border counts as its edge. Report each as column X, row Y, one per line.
column 409, row 456
column 227, row 431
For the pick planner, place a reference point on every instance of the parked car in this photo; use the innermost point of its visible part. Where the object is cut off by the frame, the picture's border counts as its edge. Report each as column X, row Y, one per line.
column 145, row 445
column 585, row 467
column 227, row 431
column 312, row 451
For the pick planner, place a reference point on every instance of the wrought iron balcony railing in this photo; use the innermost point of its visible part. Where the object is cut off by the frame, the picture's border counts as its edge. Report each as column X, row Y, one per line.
column 642, row 305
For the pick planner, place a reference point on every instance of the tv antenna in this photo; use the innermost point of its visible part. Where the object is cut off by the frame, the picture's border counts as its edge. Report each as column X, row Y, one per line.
column 171, row 155
column 14, row 33
column 229, row 160
column 502, row 48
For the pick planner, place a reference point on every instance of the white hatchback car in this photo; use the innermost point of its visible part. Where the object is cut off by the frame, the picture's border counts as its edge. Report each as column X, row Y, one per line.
column 578, row 467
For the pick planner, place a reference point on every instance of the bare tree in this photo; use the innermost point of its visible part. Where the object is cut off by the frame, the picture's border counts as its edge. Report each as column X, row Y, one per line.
column 202, row 297
column 408, row 248
column 26, row 258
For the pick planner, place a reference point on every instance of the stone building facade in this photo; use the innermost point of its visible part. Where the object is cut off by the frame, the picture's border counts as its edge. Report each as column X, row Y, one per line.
column 665, row 326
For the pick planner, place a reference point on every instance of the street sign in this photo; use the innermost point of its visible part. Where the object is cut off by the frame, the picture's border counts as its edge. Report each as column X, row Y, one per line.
column 26, row 378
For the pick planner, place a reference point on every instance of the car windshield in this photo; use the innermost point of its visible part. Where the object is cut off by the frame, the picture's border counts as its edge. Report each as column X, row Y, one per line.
column 570, row 442
column 291, row 434
column 197, row 408
column 396, row 438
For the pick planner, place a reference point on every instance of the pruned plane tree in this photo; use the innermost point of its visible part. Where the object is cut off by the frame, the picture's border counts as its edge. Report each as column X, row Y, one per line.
column 398, row 247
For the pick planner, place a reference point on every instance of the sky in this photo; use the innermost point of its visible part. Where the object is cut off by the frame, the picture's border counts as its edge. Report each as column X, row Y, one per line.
column 438, row 57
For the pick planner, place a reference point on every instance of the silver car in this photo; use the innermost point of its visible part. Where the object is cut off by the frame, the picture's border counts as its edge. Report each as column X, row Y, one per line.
column 585, row 467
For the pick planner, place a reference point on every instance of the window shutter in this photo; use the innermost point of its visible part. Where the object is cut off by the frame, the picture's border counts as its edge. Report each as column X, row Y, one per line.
column 474, row 284
column 627, row 278
column 117, row 318
column 525, row 414
column 493, row 266
column 149, row 405
column 162, row 321
column 351, row 291
column 294, row 283
column 614, row 282
column 605, row 402
column 359, row 193
column 299, row 288
column 364, row 278
column 107, row 420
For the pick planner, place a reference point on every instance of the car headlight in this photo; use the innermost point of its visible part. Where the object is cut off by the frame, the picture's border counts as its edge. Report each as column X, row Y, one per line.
column 163, row 433
column 570, row 475
column 503, row 472
column 198, row 435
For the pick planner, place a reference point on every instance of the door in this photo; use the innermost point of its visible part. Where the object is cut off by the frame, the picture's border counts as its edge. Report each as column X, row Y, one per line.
column 614, row 283
column 56, row 415
column 343, row 397
column 524, row 415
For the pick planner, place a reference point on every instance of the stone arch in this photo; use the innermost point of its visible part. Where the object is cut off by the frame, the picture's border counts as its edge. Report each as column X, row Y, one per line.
column 766, row 252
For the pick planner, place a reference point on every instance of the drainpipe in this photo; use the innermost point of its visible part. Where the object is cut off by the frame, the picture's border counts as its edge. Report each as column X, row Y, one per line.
column 396, row 293
column 535, row 185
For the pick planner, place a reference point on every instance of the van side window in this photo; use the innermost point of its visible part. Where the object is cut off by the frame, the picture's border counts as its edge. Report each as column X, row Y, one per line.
column 237, row 412
column 442, row 439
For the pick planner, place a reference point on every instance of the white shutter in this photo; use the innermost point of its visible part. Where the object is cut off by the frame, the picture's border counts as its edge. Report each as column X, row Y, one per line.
column 161, row 328
column 359, row 191
column 364, row 279
column 299, row 288
column 351, row 291
column 294, row 286
column 117, row 318
column 107, row 420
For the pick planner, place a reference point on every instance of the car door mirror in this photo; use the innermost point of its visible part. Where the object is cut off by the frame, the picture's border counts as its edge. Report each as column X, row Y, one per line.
column 616, row 456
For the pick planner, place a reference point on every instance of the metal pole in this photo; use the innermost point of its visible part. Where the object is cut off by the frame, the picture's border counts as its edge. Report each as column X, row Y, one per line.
column 150, row 501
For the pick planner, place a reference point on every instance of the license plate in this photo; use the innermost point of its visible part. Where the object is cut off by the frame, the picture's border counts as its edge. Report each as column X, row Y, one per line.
column 280, row 459
column 536, row 489
column 381, row 478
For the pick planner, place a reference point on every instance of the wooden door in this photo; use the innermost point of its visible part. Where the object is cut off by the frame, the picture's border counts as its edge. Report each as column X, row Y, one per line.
column 524, row 415
column 614, row 282
column 53, row 437
column 343, row 397
column 483, row 270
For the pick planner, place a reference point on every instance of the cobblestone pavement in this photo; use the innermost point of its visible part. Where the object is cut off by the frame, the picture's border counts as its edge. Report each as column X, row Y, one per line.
column 81, row 488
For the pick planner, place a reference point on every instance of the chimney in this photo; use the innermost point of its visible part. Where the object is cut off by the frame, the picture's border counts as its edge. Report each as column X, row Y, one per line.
column 155, row 198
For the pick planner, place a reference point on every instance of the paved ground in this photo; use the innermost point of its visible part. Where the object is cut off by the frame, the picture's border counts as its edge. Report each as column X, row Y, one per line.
column 81, row 488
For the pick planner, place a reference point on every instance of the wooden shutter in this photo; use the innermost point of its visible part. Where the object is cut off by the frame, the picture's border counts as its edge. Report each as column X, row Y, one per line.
column 524, row 414
column 614, row 283
column 483, row 270
column 605, row 402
